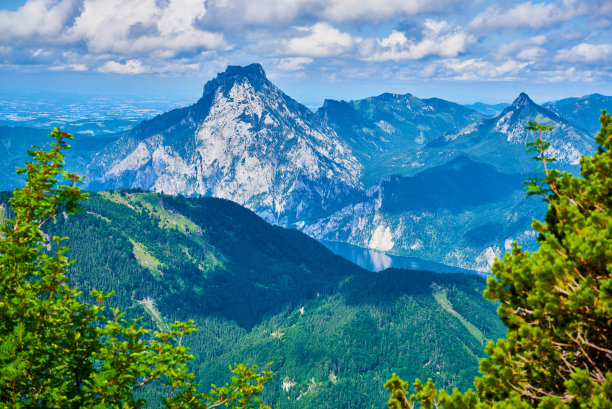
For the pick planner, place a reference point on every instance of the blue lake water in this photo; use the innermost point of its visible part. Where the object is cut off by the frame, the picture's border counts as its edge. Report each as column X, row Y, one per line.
column 377, row 261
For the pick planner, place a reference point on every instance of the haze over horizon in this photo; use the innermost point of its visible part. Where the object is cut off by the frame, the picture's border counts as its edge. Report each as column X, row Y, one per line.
column 463, row 51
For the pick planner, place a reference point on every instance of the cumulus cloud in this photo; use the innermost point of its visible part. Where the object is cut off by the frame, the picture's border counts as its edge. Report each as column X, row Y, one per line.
column 134, row 66
column 527, row 49
column 320, row 40
column 265, row 12
column 376, row 10
column 43, row 18
column 293, row 63
column 127, row 36
column 479, row 69
column 142, row 26
column 129, row 67
column 115, row 26
column 69, row 67
column 439, row 38
column 324, row 38
column 570, row 74
column 585, row 52
column 527, row 15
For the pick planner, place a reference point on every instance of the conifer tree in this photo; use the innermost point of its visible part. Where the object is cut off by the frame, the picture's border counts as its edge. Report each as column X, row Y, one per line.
column 556, row 301
column 57, row 351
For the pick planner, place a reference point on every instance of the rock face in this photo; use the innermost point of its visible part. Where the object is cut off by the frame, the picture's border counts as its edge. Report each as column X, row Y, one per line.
column 244, row 140
column 462, row 213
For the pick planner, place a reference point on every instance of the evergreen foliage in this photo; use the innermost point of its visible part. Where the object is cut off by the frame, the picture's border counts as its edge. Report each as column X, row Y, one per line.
column 59, row 352
column 556, row 302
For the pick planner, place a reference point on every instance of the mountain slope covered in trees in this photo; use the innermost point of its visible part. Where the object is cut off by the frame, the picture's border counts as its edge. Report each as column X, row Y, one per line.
column 261, row 293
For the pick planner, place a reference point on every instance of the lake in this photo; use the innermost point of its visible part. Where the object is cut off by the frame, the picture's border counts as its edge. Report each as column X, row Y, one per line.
column 377, row 261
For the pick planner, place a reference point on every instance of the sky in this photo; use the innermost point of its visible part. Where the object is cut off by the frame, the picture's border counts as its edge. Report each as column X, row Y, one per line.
column 461, row 50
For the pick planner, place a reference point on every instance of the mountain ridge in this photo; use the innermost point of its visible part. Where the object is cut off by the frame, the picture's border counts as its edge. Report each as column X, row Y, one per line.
column 491, row 138
column 339, row 197
column 245, row 140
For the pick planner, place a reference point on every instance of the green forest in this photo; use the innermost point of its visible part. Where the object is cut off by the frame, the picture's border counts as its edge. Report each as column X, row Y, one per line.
column 259, row 293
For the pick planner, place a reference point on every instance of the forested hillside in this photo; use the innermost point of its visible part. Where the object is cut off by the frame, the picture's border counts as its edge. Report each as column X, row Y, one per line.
column 260, row 293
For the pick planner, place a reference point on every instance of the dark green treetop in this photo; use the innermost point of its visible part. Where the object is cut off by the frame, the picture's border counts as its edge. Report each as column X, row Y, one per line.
column 59, row 352
column 556, row 302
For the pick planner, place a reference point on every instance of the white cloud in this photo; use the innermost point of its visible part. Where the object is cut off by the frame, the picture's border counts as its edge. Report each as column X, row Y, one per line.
column 527, row 15
column 143, row 26
column 266, row 12
column 530, row 53
column 69, row 67
column 479, row 69
column 45, row 18
column 321, row 40
column 129, row 67
column 570, row 74
column 585, row 52
column 439, row 38
column 112, row 26
column 293, row 63
column 262, row 11
column 134, row 66
column 377, row 10
column 528, row 49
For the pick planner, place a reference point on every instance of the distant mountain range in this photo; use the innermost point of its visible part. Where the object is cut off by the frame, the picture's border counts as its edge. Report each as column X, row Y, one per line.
column 501, row 138
column 582, row 112
column 488, row 109
column 388, row 132
column 417, row 177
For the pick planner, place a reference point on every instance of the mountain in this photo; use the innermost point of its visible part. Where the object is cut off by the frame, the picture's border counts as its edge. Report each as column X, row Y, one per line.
column 582, row 112
column 196, row 256
column 501, row 140
column 465, row 204
column 337, row 351
column 387, row 132
column 461, row 213
column 260, row 293
column 488, row 109
column 244, row 140
column 422, row 178
column 459, row 184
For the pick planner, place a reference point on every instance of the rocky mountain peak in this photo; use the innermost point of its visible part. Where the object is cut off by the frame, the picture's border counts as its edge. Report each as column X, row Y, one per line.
column 244, row 140
column 390, row 98
column 327, row 103
column 253, row 73
column 254, row 70
column 522, row 100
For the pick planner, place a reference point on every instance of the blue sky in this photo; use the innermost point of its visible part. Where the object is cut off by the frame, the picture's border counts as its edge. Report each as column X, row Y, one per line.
column 461, row 50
